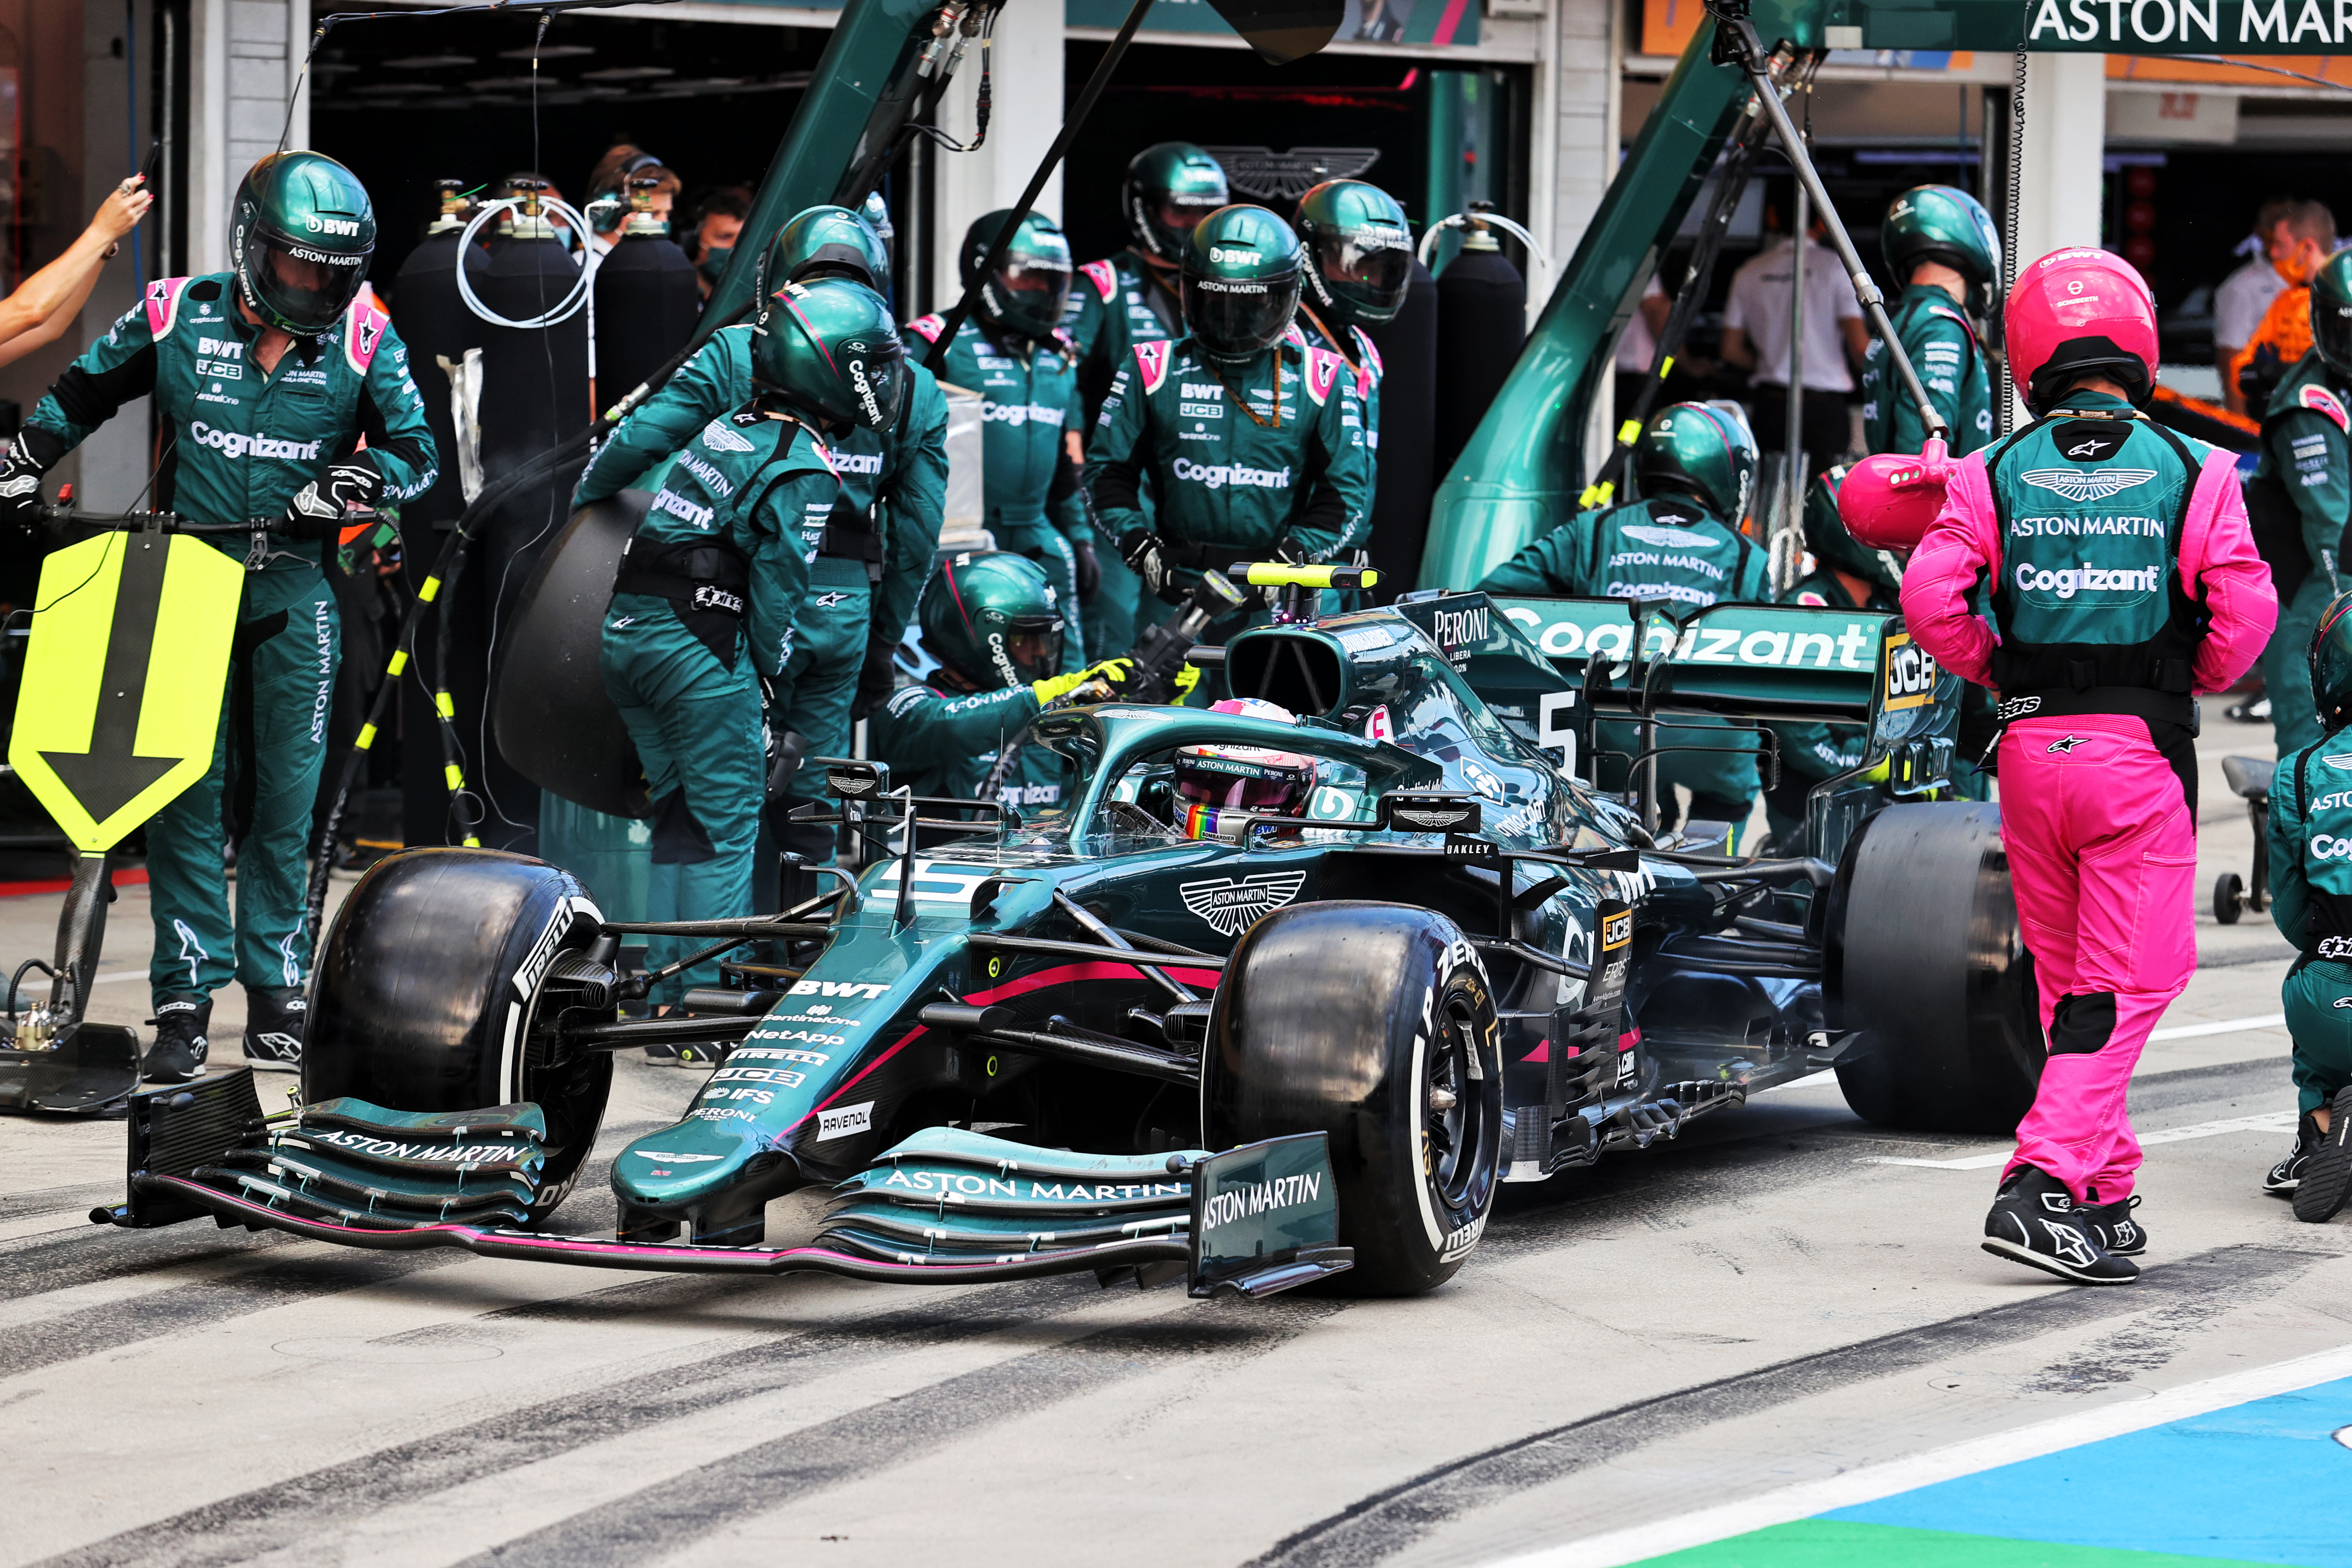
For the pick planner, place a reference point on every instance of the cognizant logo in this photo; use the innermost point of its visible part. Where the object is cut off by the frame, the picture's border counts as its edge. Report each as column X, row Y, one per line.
column 2327, row 846
column 2073, row 580
column 237, row 444
column 1218, row 475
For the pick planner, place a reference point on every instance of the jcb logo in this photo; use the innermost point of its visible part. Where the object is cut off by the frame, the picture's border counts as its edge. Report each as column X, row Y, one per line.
column 1910, row 673
column 1616, row 930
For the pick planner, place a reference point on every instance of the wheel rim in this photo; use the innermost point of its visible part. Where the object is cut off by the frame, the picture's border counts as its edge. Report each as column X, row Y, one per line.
column 1456, row 1103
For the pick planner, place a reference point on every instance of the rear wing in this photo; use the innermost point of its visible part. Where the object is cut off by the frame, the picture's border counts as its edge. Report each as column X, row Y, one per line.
column 1746, row 661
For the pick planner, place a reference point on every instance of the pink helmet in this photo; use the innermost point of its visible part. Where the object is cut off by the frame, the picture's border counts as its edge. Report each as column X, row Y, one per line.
column 2077, row 310
column 1889, row 501
column 1220, row 788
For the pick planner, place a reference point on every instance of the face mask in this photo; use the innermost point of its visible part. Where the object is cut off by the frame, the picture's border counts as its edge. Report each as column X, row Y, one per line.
column 714, row 262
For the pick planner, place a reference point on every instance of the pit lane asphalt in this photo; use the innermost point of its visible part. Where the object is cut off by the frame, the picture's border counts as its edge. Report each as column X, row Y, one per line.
column 1747, row 1308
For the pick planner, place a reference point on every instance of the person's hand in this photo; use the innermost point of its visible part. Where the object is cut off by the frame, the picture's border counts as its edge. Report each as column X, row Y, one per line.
column 1142, row 550
column 1187, row 677
column 124, row 206
column 20, row 494
column 1089, row 569
column 1094, row 684
column 318, row 509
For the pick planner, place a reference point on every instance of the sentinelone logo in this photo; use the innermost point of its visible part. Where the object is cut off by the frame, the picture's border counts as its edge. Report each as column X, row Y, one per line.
column 237, row 444
column 1218, row 475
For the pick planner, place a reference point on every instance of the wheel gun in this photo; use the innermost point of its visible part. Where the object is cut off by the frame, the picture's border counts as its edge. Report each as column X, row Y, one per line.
column 1160, row 651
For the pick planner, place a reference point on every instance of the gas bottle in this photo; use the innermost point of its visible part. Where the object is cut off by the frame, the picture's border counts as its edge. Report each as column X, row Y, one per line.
column 433, row 321
column 1408, row 474
column 1482, row 318
column 646, row 302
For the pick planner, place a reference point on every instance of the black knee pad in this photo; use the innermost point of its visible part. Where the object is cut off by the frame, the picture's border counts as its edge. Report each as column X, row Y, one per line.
column 2080, row 1025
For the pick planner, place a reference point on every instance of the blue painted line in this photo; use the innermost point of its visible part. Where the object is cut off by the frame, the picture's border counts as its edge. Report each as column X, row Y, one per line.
column 2259, row 1482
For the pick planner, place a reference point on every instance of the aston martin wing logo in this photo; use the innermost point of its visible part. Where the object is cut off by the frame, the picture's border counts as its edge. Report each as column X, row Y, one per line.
column 1262, row 172
column 1233, row 907
column 2088, row 484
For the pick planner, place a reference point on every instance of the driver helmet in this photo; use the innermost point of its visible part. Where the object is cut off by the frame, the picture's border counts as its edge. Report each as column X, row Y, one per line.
column 2077, row 312
column 1947, row 225
column 1219, row 788
column 1025, row 294
column 989, row 616
column 830, row 350
column 1359, row 252
column 824, row 242
column 1704, row 453
column 301, row 236
column 1241, row 283
column 2331, row 663
column 1170, row 186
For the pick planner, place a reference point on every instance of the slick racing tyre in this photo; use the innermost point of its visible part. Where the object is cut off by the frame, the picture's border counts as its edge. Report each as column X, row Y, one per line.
column 425, row 991
column 1924, row 953
column 1374, row 1024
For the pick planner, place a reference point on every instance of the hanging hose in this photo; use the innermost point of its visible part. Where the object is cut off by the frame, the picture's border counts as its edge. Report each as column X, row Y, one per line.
column 2009, row 240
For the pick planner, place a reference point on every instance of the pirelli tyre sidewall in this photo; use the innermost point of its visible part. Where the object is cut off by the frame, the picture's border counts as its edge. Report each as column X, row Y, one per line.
column 426, row 990
column 1926, row 958
column 1342, row 1018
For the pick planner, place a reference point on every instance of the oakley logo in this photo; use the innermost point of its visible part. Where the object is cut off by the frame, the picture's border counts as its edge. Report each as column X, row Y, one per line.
column 2077, row 486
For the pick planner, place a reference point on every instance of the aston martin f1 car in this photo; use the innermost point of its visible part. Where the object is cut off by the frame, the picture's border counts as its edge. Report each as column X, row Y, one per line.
column 1078, row 1039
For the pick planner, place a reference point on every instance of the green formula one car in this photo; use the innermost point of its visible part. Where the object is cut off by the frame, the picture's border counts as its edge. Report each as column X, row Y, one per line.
column 1115, row 1037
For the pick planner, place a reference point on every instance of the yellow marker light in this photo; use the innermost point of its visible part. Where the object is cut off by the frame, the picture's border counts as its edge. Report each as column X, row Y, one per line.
column 456, row 776
column 432, row 586
column 399, row 662
column 1596, row 495
column 1276, row 574
column 443, row 706
column 367, row 736
column 1628, row 431
column 1666, row 368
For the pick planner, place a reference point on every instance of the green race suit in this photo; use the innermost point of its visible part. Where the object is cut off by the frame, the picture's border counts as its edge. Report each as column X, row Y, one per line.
column 948, row 742
column 1030, row 493
column 900, row 480
column 2302, row 487
column 2311, row 892
column 1242, row 463
column 1943, row 349
column 1663, row 549
column 1115, row 305
column 708, row 606
column 238, row 445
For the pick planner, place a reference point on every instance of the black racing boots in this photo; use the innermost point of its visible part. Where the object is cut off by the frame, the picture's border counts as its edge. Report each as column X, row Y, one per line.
column 178, row 1053
column 2034, row 1221
column 2287, row 1174
column 2112, row 1226
column 2328, row 1173
column 274, row 1021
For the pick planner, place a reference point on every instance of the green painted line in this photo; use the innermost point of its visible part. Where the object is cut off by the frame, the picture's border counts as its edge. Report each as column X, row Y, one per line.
column 1841, row 1543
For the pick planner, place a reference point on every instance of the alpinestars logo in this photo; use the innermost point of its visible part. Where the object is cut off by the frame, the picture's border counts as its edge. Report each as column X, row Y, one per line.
column 2068, row 1244
column 2065, row 748
column 2076, row 485
column 1233, row 907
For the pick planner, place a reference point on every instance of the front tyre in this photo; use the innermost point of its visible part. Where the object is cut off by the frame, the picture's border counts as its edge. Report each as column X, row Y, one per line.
column 1375, row 1024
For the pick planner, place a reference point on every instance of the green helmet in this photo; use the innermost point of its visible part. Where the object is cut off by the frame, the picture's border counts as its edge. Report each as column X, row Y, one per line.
column 301, row 237
column 1241, row 281
column 823, row 242
column 2331, row 313
column 989, row 616
column 1025, row 294
column 1826, row 537
column 2331, row 663
column 1939, row 223
column 1359, row 252
column 1170, row 186
column 1699, row 451
column 830, row 350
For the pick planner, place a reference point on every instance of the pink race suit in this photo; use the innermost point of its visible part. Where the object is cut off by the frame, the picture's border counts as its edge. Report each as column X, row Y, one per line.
column 2099, row 823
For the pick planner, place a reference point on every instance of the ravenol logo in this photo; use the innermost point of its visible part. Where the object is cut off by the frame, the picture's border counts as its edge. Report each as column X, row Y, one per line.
column 237, row 444
column 1218, row 475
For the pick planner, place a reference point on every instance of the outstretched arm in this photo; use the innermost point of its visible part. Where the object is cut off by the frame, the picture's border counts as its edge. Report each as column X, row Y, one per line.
column 45, row 304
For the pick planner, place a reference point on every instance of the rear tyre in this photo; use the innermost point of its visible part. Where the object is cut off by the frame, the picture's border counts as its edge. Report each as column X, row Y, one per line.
column 426, row 988
column 2229, row 897
column 1375, row 1024
column 1924, row 954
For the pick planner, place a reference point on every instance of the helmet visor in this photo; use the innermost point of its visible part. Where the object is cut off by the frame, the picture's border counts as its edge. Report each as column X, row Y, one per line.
column 1237, row 317
column 302, row 289
column 876, row 375
column 1374, row 275
column 1034, row 647
column 1245, row 778
column 1027, row 293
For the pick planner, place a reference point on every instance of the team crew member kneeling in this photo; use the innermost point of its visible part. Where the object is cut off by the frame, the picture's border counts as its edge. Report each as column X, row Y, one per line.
column 2311, row 890
column 266, row 378
column 2125, row 581
column 1254, row 443
column 1695, row 467
column 1011, row 352
column 997, row 627
column 704, row 608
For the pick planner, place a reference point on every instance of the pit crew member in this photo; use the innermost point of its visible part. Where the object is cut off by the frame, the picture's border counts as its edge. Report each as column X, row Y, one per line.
column 1944, row 246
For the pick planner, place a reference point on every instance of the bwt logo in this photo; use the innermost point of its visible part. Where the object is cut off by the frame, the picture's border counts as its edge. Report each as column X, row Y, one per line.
column 220, row 348
column 237, row 444
column 317, row 225
column 1237, row 255
column 1218, row 475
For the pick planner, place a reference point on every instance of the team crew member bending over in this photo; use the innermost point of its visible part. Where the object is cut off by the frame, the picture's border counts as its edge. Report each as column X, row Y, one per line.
column 997, row 627
column 1253, row 443
column 2311, row 892
column 2125, row 581
column 1010, row 350
column 266, row 377
column 1696, row 467
column 704, row 609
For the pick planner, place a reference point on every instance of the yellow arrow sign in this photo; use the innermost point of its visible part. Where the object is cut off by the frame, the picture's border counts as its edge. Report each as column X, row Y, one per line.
column 123, row 678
